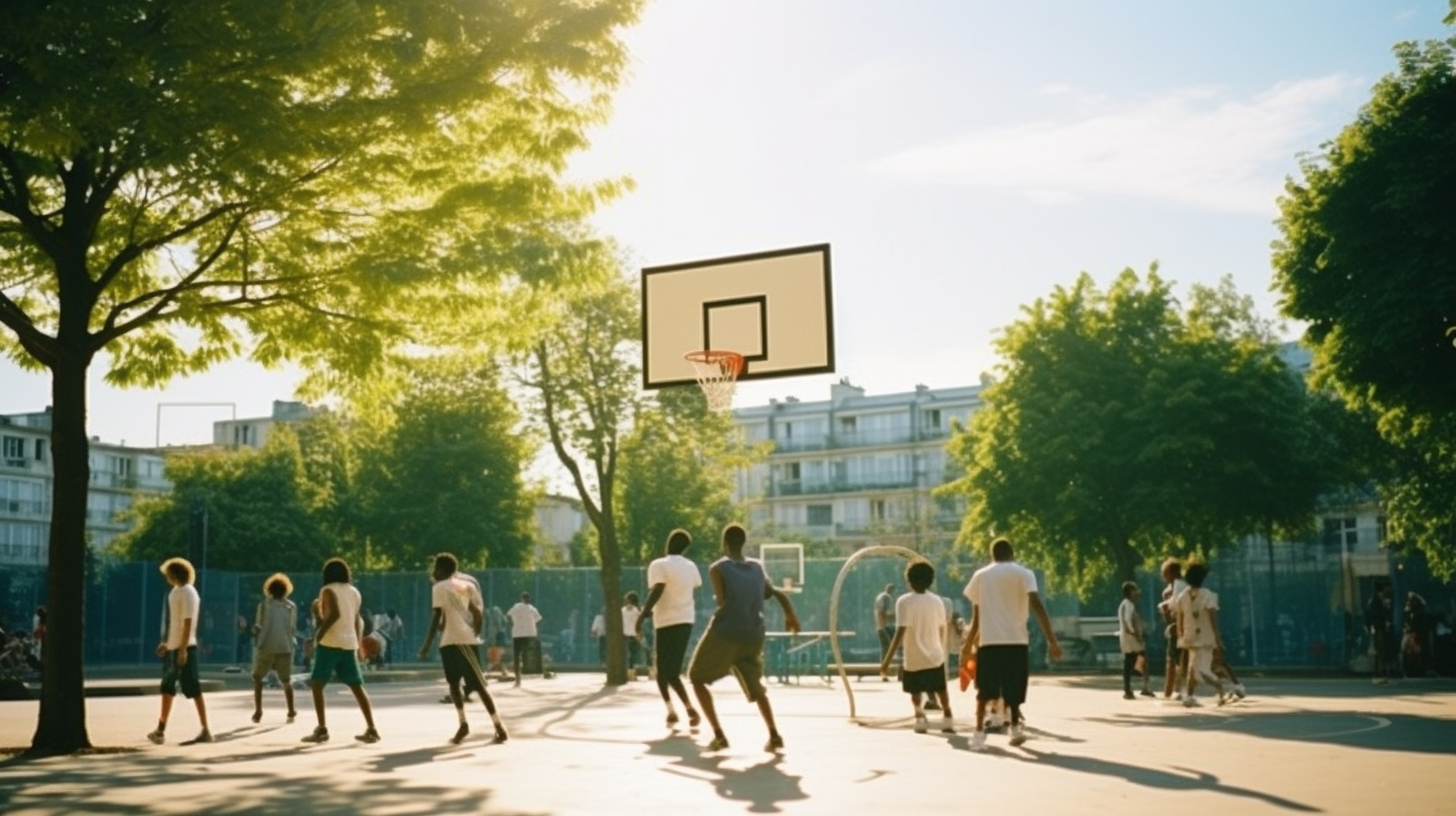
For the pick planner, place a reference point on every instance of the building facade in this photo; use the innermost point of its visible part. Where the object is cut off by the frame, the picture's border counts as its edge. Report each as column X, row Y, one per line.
column 855, row 468
column 118, row 474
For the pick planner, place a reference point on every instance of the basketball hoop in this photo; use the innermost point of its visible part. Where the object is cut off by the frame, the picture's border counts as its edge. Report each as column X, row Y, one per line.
column 717, row 373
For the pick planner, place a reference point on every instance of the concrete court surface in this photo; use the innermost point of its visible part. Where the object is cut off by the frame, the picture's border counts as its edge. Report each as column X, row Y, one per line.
column 1294, row 746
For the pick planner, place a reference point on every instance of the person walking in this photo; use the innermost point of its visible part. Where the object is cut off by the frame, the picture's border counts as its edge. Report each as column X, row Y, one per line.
column 885, row 620
column 1001, row 594
column 921, row 624
column 525, row 619
column 672, row 584
column 274, row 628
column 632, row 632
column 179, row 650
column 458, row 614
column 339, row 636
column 1176, row 666
column 1379, row 622
column 1197, row 610
column 733, row 642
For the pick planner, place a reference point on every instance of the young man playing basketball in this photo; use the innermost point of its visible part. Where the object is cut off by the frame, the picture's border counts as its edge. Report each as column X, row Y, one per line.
column 1001, row 594
column 733, row 643
column 672, row 582
column 459, row 614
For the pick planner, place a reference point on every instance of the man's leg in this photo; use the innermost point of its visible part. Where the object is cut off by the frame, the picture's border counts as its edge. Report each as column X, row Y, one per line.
column 258, row 698
column 705, row 702
column 775, row 741
column 362, row 698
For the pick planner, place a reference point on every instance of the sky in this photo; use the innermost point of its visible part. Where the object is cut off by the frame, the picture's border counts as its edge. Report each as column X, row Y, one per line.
column 961, row 157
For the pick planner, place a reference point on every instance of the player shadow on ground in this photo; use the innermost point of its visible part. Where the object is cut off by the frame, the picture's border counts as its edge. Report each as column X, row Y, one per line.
column 1186, row 778
column 146, row 783
column 1352, row 729
column 763, row 785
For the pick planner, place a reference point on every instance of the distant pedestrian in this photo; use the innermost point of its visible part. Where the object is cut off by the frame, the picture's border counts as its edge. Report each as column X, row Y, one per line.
column 1197, row 610
column 1414, row 639
column 524, row 635
column 274, row 629
column 672, row 584
column 38, row 633
column 458, row 614
column 340, row 633
column 1176, row 666
column 1132, row 636
column 733, row 642
column 1001, row 594
column 920, row 626
column 179, row 650
column 599, row 632
column 885, row 619
column 631, row 633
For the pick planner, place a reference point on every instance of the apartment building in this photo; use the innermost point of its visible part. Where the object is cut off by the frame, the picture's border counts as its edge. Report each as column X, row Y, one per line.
column 252, row 432
column 118, row 473
column 855, row 467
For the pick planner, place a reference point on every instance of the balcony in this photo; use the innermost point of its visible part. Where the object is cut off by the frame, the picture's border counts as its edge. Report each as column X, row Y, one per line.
column 858, row 439
column 799, row 487
column 19, row 462
column 22, row 507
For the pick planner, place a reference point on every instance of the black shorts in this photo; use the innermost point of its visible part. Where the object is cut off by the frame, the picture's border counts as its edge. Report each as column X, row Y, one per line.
column 462, row 665
column 184, row 676
column 1002, row 672
column 923, row 680
column 672, row 647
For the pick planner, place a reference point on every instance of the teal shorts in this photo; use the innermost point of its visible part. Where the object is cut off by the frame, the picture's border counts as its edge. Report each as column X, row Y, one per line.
column 329, row 662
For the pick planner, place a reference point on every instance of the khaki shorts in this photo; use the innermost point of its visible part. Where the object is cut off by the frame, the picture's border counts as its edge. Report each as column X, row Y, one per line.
column 279, row 662
column 718, row 657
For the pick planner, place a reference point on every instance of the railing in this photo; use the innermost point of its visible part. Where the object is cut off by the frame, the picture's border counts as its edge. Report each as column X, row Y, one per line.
column 799, row 487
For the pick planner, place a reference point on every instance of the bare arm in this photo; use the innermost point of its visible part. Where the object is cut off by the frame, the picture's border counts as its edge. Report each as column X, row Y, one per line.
column 890, row 652
column 328, row 614
column 653, row 596
column 1054, row 648
column 791, row 620
column 973, row 635
column 437, row 622
column 186, row 637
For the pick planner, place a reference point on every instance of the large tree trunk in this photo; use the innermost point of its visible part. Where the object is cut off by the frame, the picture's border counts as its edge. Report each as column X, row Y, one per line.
column 62, row 725
column 612, row 593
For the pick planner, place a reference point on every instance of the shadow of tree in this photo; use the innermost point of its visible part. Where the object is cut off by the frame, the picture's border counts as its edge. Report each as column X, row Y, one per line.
column 1356, row 729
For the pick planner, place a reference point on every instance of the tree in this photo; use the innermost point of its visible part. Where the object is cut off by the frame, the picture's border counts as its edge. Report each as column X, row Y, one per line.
column 447, row 474
column 259, row 511
column 582, row 371
column 184, row 182
column 1121, row 428
column 678, row 468
column 1365, row 258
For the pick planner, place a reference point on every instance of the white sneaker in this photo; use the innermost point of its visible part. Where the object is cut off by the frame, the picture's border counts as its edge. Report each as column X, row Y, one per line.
column 978, row 741
column 947, row 725
column 1191, row 702
column 921, row 724
column 1239, row 690
column 157, row 737
column 1018, row 734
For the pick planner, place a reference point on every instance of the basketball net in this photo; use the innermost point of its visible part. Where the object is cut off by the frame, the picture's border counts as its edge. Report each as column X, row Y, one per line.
column 717, row 373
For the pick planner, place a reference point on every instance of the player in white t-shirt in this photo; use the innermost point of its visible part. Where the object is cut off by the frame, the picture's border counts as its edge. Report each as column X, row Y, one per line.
column 179, row 649
column 1001, row 594
column 920, row 625
column 458, row 613
column 1197, row 612
column 672, row 582
column 524, row 620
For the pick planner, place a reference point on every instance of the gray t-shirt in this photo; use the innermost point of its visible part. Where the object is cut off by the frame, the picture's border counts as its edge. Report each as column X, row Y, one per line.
column 744, row 586
column 276, row 622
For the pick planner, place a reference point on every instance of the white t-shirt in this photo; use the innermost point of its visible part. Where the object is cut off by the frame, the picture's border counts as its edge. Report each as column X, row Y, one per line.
column 630, row 614
column 1129, row 628
column 344, row 634
column 679, row 578
column 1195, row 607
column 183, row 603
column 1000, row 594
column 599, row 625
column 454, row 597
column 922, row 616
column 524, row 618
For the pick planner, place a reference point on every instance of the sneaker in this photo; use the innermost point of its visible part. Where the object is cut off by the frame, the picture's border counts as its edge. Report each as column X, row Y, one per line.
column 500, row 735
column 369, row 735
column 1147, row 693
column 460, row 734
column 1127, row 695
column 932, row 705
column 947, row 725
column 1018, row 734
column 978, row 741
column 204, row 736
column 1223, row 699
column 719, row 743
column 1239, row 690
column 921, row 724
column 157, row 737
column 1191, row 702
column 291, row 715
column 320, row 734
column 775, row 743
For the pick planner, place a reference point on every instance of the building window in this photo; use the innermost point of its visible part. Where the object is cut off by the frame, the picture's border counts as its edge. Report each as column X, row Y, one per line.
column 821, row 515
column 243, row 435
column 12, row 450
column 932, row 419
column 40, row 448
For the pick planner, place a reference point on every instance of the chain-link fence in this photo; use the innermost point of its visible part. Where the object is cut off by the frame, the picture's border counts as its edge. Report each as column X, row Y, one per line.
column 1292, row 607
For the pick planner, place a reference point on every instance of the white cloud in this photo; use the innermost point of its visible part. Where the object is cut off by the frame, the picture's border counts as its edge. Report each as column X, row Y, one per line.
column 1197, row 146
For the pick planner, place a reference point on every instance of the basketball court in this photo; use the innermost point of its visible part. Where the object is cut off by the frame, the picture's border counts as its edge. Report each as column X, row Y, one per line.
column 1301, row 746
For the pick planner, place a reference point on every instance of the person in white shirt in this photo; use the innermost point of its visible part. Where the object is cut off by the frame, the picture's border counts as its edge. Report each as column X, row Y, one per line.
column 339, row 637
column 1177, row 664
column 1001, row 594
column 632, row 632
column 524, row 620
column 920, row 626
column 1197, row 612
column 179, row 650
column 458, row 615
column 672, row 583
column 1132, row 640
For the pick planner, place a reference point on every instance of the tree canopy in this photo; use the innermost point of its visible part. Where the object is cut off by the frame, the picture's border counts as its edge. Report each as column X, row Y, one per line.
column 1125, row 427
column 1365, row 258
column 315, row 180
